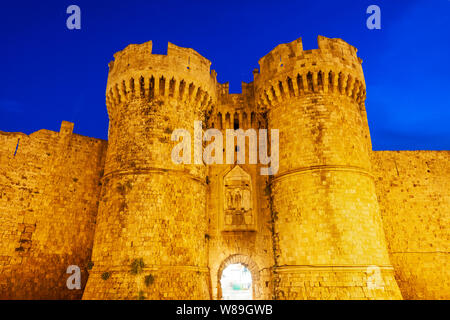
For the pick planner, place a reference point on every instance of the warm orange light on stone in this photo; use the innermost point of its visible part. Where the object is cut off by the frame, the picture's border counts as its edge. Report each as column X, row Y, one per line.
column 337, row 221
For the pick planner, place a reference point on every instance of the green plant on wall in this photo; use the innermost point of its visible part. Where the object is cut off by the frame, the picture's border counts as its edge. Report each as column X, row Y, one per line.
column 168, row 130
column 149, row 279
column 105, row 275
column 141, row 295
column 137, row 266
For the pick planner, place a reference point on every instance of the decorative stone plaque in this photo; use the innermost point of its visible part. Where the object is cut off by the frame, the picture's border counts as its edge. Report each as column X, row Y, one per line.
column 237, row 201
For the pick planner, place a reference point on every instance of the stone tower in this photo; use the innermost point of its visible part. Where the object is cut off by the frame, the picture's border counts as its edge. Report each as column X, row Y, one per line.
column 329, row 241
column 151, row 225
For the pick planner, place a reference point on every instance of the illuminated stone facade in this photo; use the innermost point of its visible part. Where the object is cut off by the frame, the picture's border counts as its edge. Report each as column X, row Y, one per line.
column 337, row 221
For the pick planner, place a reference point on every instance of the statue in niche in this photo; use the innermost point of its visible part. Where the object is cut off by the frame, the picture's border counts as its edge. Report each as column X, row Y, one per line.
column 238, row 206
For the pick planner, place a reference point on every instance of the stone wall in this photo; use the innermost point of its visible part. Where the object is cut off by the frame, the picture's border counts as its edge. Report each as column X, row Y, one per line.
column 413, row 189
column 49, row 191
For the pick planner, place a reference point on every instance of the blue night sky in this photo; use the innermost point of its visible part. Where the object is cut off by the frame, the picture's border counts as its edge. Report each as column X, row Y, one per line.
column 50, row 73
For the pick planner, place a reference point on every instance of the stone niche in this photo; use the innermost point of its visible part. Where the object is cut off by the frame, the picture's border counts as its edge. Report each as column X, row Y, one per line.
column 238, row 208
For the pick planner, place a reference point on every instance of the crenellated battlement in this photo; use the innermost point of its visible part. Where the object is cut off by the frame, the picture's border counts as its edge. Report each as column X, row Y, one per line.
column 289, row 71
column 290, row 55
column 182, row 74
column 236, row 109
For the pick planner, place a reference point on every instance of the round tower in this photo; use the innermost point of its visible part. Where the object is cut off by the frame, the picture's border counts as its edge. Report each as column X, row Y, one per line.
column 328, row 236
column 150, row 234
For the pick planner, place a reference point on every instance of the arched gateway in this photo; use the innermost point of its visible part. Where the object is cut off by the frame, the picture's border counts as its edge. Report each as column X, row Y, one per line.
column 250, row 265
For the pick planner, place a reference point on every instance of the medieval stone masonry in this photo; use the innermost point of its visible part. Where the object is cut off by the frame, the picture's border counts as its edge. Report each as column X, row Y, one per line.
column 337, row 221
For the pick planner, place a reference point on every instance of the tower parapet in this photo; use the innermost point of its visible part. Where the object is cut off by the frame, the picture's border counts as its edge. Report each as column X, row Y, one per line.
column 182, row 74
column 288, row 70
